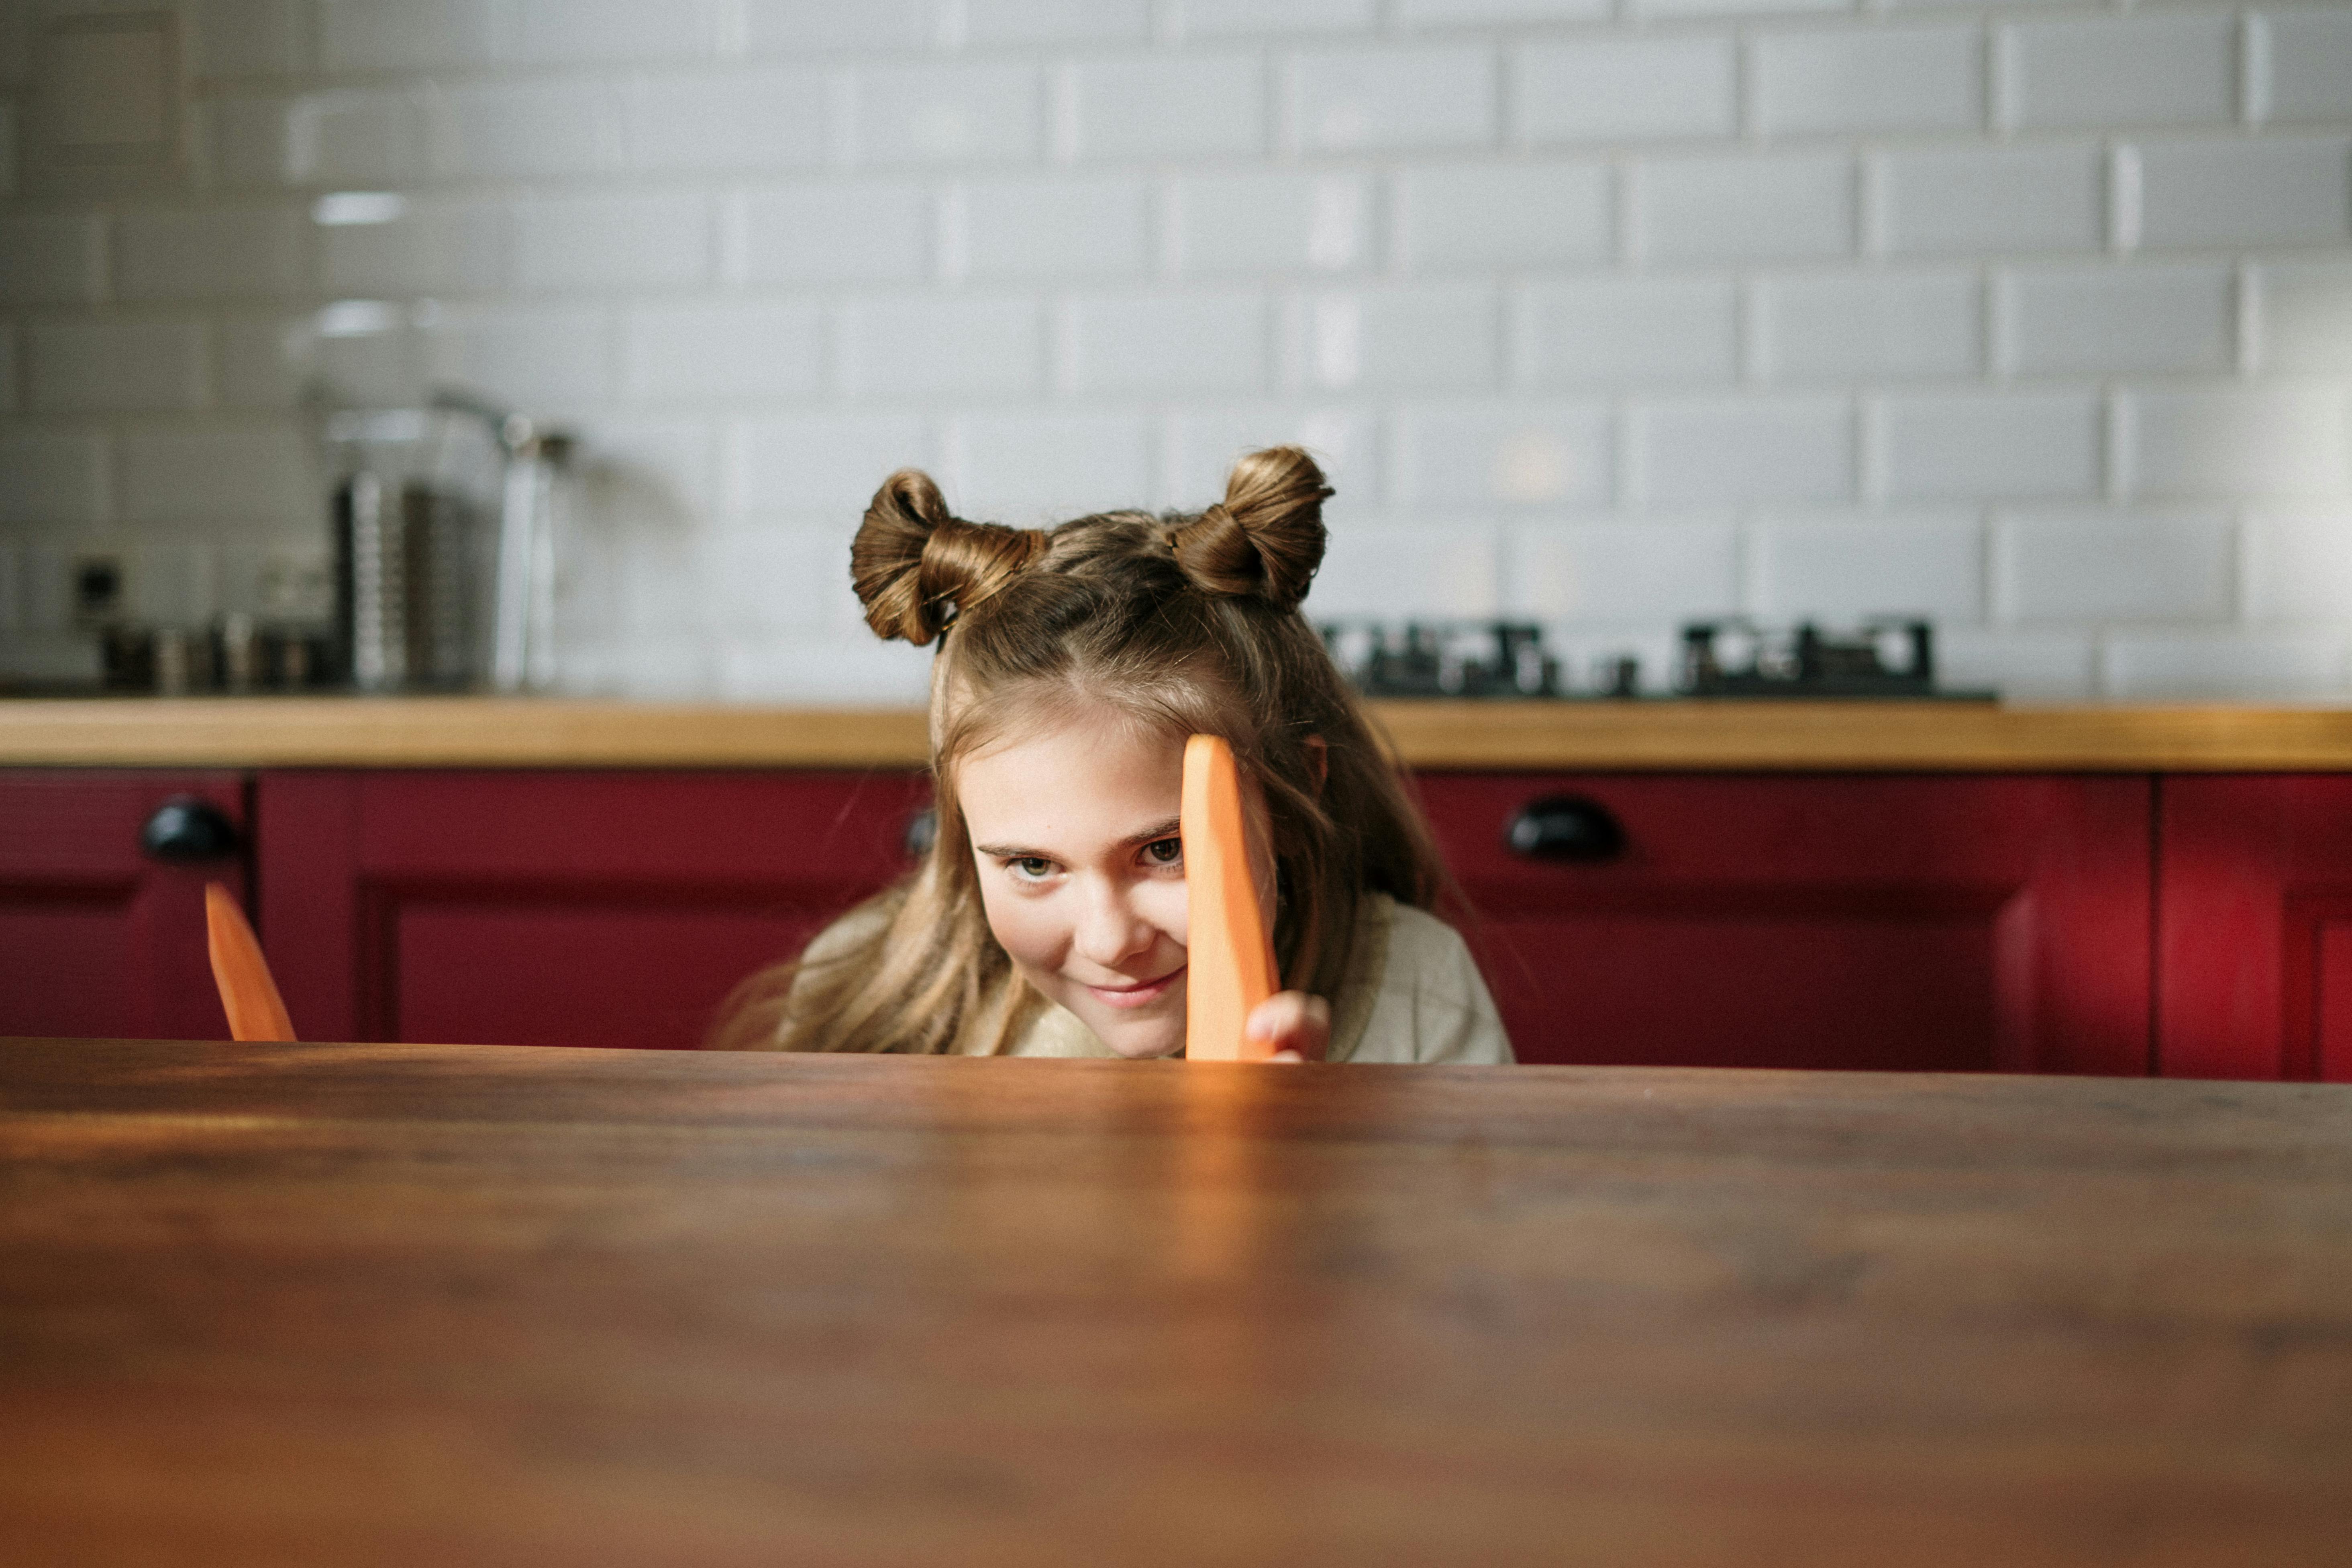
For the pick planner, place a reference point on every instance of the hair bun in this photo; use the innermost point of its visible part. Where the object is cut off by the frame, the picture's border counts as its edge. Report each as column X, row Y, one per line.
column 917, row 566
column 1265, row 538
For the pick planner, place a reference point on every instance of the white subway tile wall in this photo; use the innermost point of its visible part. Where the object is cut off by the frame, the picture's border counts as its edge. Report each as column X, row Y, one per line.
column 2308, row 57
column 132, row 365
column 753, row 121
column 1880, row 79
column 1607, row 330
column 2089, row 320
column 51, row 258
column 417, row 247
column 1891, row 325
column 1399, row 98
column 230, row 253
column 1146, row 344
column 724, row 351
column 1590, row 88
column 1163, row 106
column 822, row 465
column 852, row 232
column 2031, row 315
column 1523, row 457
column 2128, row 566
column 2303, row 316
column 537, row 357
column 1743, row 449
column 1987, row 445
column 1843, row 567
column 563, row 244
column 2103, row 72
column 1613, row 573
column 1744, row 208
column 1470, row 216
column 1029, row 467
column 1249, row 224
column 1029, row 226
column 52, row 478
column 1978, row 200
column 1203, row 444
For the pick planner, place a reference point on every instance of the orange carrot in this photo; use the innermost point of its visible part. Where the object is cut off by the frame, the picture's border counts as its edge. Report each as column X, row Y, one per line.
column 248, row 994
column 1230, row 957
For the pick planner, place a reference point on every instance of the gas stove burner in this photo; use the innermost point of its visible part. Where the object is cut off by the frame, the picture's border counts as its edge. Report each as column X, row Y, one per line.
column 1885, row 656
column 1444, row 658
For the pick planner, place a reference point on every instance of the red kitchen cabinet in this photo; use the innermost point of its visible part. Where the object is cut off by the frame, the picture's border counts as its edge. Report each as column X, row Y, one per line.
column 580, row 909
column 100, row 935
column 1940, row 922
column 2254, row 935
column 1785, row 919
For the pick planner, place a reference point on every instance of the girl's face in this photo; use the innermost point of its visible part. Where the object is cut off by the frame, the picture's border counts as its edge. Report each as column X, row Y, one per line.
column 1074, row 834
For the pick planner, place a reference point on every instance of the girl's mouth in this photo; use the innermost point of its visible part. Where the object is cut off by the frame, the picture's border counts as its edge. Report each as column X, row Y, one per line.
column 1139, row 994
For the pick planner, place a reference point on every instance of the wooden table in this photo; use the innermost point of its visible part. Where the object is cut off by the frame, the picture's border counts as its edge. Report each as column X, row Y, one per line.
column 448, row 1305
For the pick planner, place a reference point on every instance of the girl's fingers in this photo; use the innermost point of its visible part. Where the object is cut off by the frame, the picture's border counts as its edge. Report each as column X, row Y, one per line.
column 1298, row 1026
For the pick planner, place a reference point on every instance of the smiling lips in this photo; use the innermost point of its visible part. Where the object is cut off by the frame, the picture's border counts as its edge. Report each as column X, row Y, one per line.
column 1141, row 993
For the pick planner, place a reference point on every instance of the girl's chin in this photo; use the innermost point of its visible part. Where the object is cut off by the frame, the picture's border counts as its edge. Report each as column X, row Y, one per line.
column 1147, row 1050
column 1138, row 1040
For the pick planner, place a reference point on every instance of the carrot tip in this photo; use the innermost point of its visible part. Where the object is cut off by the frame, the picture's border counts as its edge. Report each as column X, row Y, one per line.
column 249, row 996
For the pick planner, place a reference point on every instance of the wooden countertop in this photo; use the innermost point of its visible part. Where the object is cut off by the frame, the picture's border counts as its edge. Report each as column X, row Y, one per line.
column 393, row 1304
column 480, row 732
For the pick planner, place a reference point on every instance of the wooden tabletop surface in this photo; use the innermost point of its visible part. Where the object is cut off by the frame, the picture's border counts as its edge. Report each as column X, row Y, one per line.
column 551, row 732
column 451, row 1305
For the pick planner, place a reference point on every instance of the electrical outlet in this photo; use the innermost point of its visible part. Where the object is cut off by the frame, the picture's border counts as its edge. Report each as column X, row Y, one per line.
column 98, row 590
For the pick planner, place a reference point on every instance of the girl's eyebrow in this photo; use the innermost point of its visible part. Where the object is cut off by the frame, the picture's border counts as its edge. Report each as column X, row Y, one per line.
column 1151, row 834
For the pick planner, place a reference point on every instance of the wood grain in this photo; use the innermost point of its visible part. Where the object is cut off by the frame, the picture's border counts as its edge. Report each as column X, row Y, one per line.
column 385, row 1304
column 482, row 732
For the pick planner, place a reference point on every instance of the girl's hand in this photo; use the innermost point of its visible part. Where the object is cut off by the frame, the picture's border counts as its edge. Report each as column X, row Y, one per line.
column 1298, row 1025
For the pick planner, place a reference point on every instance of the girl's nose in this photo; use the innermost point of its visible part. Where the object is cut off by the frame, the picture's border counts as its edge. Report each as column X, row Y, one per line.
column 1110, row 929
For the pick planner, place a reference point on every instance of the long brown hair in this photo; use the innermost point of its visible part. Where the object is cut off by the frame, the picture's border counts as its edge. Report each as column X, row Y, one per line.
column 1184, row 623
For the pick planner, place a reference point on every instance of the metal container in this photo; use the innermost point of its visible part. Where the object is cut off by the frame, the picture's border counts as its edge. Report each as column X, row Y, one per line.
column 412, row 548
column 446, row 523
column 404, row 584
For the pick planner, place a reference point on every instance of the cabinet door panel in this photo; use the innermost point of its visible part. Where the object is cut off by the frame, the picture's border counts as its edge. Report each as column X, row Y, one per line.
column 1819, row 922
column 557, row 909
column 2331, row 1003
column 2255, row 927
column 97, row 938
column 1750, row 988
column 612, row 971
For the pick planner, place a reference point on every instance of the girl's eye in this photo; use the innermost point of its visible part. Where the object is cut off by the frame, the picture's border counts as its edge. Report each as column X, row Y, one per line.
column 1032, row 868
column 1164, row 851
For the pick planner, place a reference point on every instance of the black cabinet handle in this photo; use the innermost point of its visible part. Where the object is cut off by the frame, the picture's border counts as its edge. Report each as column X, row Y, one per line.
column 186, row 828
column 1566, row 827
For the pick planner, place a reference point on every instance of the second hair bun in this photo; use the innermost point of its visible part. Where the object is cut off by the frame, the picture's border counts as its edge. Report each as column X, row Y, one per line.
column 1265, row 539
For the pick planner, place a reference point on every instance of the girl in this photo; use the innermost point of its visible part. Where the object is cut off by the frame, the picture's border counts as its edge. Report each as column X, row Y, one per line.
column 1049, row 917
